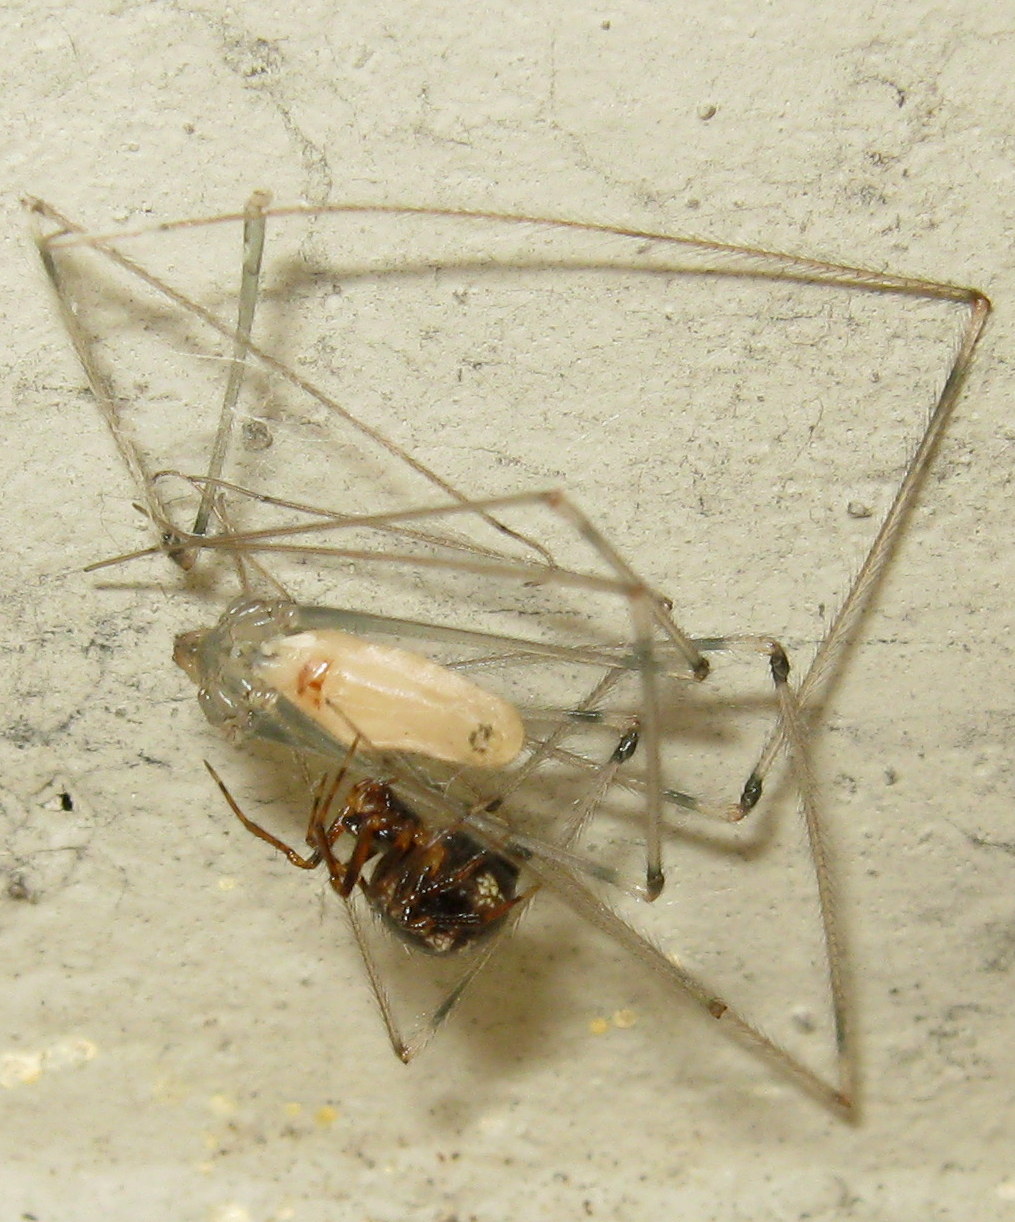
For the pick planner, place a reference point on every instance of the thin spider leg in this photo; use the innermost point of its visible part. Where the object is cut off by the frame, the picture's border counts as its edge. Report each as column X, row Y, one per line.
column 648, row 610
column 561, row 882
column 98, row 383
column 547, row 747
column 605, row 780
column 254, row 225
column 755, row 645
column 714, row 258
column 407, row 1049
column 303, row 863
column 246, row 563
column 836, row 957
column 858, row 598
column 795, row 736
column 258, row 541
column 558, row 850
column 636, row 785
column 328, row 520
column 325, row 793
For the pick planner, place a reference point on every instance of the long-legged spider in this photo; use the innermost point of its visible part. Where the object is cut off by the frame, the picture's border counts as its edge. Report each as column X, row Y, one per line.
column 418, row 540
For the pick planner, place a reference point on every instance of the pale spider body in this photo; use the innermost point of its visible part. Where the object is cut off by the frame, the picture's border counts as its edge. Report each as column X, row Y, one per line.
column 446, row 773
column 263, row 671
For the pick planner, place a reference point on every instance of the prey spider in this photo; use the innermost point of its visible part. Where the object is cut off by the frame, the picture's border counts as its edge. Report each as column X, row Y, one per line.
column 522, row 591
column 437, row 892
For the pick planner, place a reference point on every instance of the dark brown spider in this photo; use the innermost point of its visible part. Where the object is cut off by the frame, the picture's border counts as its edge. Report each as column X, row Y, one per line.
column 438, row 890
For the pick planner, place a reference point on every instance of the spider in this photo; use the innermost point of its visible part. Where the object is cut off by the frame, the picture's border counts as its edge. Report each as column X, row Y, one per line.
column 427, row 805
column 439, row 891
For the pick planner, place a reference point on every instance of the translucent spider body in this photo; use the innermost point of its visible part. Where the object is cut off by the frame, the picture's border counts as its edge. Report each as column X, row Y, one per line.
column 420, row 545
column 271, row 669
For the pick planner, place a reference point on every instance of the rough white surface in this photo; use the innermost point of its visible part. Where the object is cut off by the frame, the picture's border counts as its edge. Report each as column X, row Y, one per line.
column 184, row 1031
